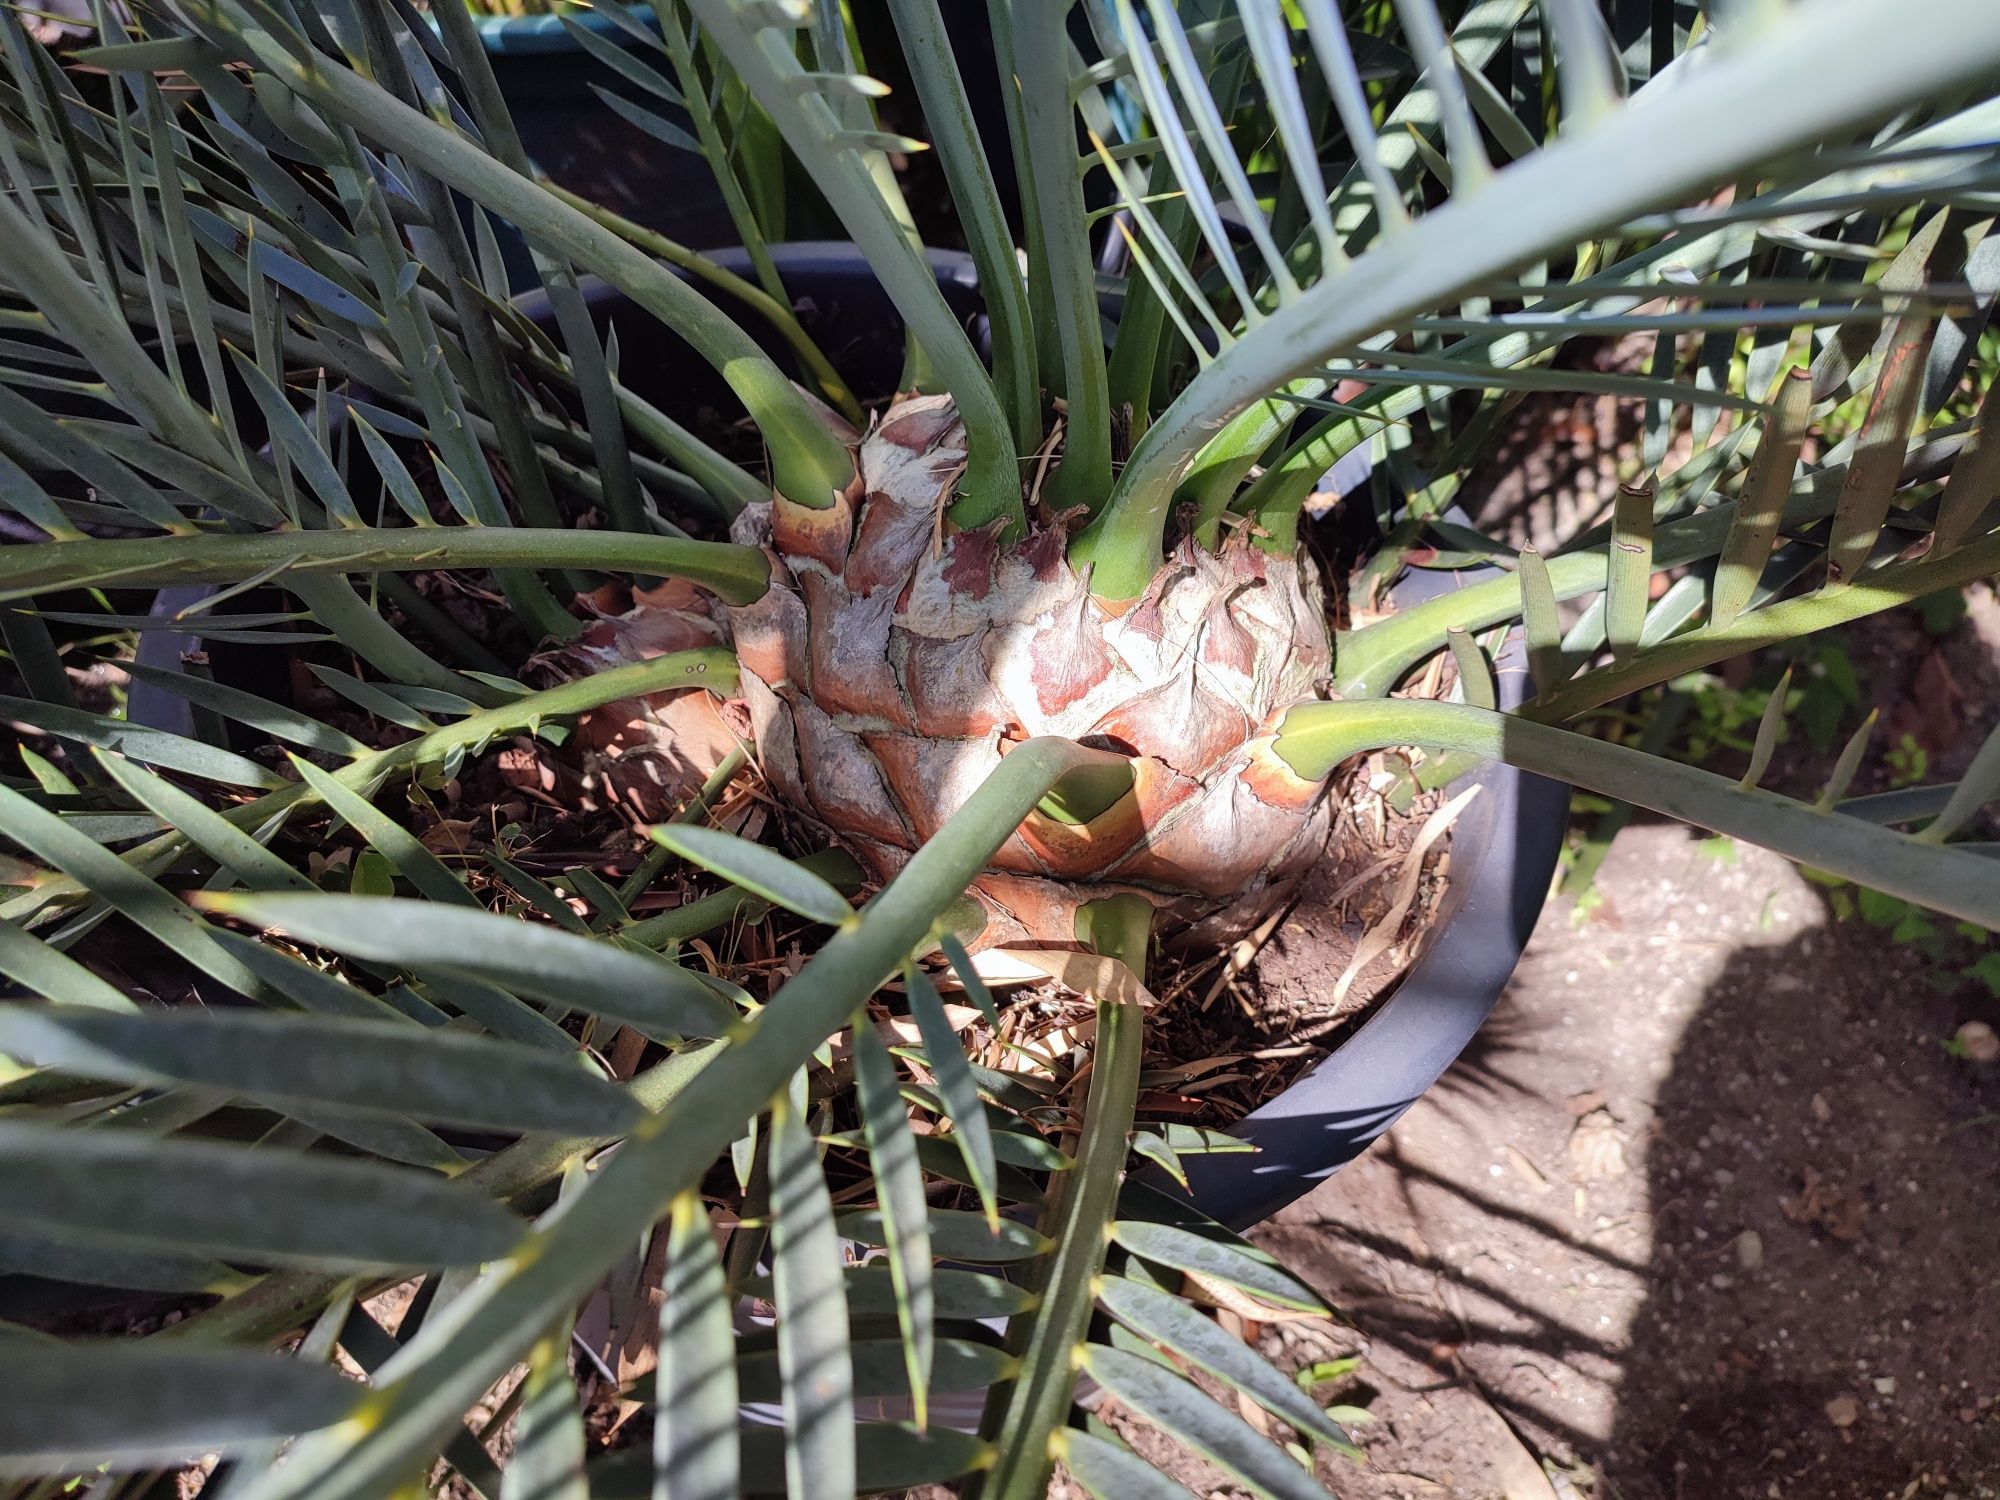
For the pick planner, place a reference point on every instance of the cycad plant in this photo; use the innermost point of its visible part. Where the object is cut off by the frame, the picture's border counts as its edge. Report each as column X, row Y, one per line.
column 1032, row 652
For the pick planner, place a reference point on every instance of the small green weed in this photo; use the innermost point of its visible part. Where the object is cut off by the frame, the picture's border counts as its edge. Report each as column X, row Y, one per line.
column 1957, row 950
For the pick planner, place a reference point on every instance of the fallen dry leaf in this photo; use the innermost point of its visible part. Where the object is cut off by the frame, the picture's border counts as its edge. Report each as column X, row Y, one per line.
column 1527, row 1171
column 449, row 836
column 902, row 1031
column 1597, row 1147
column 1378, row 939
column 1582, row 1104
column 523, row 767
column 1226, row 1298
column 1087, row 974
column 626, row 1050
column 1824, row 1205
column 1515, row 1467
column 1933, row 711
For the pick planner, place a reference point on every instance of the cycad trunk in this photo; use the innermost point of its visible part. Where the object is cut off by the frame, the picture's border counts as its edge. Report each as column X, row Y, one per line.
column 902, row 663
column 891, row 665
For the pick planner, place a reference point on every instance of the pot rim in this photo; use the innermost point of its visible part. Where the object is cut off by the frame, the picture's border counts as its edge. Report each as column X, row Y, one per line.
column 1505, row 847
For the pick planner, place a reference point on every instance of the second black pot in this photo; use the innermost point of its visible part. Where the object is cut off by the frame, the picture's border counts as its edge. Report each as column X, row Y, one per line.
column 551, row 84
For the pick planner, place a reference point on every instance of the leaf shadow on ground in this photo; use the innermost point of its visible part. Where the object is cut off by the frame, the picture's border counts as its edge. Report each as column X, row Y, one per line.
column 1704, row 1211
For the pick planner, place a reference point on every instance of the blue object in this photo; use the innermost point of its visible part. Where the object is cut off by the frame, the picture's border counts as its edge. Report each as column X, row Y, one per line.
column 519, row 36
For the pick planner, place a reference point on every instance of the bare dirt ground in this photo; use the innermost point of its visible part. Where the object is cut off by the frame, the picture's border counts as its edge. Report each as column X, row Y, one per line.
column 1711, row 1210
column 1703, row 1216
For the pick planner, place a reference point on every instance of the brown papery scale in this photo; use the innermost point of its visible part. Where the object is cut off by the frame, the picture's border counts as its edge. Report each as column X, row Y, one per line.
column 894, row 662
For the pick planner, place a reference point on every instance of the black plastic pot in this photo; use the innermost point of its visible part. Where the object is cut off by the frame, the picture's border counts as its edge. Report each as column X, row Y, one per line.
column 835, row 297
column 1503, row 855
column 585, row 145
column 550, row 81
column 1504, row 846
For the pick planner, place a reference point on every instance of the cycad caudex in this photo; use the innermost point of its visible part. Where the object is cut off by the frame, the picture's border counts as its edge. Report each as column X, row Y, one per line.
column 894, row 661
